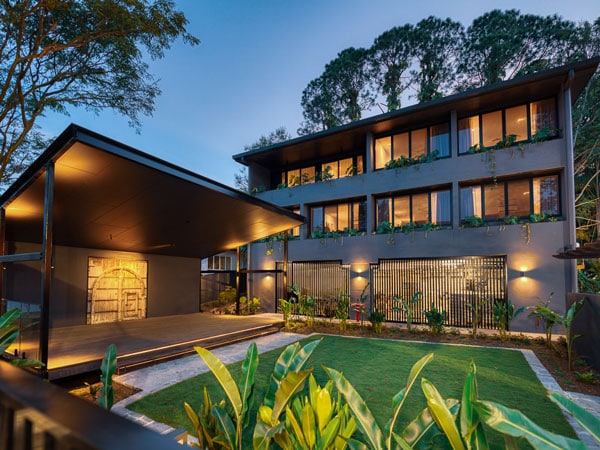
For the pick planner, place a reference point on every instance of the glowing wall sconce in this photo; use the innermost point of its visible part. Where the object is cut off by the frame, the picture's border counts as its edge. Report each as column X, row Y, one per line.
column 523, row 273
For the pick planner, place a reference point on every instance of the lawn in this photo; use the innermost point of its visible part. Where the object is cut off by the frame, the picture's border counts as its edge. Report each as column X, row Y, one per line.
column 378, row 369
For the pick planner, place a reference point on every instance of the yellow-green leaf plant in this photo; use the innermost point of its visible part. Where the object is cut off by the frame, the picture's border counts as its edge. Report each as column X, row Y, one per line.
column 205, row 424
column 240, row 396
column 375, row 437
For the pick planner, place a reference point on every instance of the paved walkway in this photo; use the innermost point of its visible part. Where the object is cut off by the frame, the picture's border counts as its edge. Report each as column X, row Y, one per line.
column 160, row 376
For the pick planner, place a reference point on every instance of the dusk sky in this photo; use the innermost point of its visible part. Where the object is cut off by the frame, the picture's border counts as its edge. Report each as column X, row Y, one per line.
column 256, row 57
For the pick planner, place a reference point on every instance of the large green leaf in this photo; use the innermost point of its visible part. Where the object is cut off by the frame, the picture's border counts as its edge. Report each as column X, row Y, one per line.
column 292, row 359
column 9, row 317
column 228, row 430
column 587, row 420
column 296, row 426
column 400, row 397
column 514, row 423
column 292, row 383
column 107, row 369
column 364, row 417
column 329, row 433
column 246, row 386
column 441, row 414
column 309, row 425
column 420, row 432
column 471, row 427
column 224, row 378
column 7, row 337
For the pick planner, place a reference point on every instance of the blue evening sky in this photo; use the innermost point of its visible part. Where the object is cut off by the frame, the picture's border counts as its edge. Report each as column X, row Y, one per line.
column 256, row 57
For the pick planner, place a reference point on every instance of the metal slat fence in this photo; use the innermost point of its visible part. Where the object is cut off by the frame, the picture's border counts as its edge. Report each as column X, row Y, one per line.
column 321, row 280
column 455, row 285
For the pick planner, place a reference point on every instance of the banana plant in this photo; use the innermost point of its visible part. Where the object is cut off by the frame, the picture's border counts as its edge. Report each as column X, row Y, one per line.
column 205, row 424
column 567, row 321
column 286, row 380
column 312, row 422
column 511, row 422
column 107, row 370
column 586, row 419
column 240, row 396
column 292, row 359
column 375, row 437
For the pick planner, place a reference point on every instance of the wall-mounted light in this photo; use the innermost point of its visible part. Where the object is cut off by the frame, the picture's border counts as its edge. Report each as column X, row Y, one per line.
column 522, row 274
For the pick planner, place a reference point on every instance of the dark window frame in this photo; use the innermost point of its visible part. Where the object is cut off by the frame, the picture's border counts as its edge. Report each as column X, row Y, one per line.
column 480, row 114
column 410, row 138
column 317, row 166
column 411, row 206
column 350, row 203
column 503, row 184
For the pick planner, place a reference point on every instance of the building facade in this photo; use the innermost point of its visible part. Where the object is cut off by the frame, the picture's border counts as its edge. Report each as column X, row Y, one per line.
column 464, row 199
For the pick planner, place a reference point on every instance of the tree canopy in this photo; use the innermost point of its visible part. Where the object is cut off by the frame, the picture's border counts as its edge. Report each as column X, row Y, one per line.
column 56, row 54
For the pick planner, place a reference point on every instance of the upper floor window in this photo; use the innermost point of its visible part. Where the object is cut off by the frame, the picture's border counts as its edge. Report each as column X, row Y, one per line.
column 295, row 232
column 330, row 170
column 220, row 262
column 418, row 208
column 413, row 144
column 339, row 216
column 517, row 124
column 520, row 198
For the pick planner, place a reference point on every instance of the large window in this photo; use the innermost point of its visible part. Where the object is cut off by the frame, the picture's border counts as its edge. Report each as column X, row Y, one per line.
column 523, row 122
column 418, row 208
column 520, row 198
column 220, row 262
column 413, row 144
column 339, row 217
column 330, row 170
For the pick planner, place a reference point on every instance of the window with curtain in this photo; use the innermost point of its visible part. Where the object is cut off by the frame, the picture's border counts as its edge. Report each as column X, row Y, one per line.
column 543, row 116
column 439, row 139
column 383, row 151
column 419, row 208
column 522, row 197
column 518, row 198
column 546, row 195
column 339, row 216
column 470, row 202
column 468, row 133
column 516, row 122
column 491, row 124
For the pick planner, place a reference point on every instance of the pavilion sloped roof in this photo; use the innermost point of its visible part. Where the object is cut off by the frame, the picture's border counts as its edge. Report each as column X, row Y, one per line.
column 110, row 196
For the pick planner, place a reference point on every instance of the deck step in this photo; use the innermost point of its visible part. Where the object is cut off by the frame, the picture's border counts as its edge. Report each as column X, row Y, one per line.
column 150, row 357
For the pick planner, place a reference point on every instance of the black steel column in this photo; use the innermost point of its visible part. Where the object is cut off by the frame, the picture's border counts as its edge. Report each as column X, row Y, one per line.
column 237, row 280
column 285, row 261
column 47, row 252
column 2, row 252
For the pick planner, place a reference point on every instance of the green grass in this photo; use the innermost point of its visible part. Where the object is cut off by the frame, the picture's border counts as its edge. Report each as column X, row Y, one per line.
column 378, row 369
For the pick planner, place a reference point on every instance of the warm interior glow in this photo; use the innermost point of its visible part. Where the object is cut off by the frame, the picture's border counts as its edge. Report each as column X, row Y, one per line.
column 21, row 208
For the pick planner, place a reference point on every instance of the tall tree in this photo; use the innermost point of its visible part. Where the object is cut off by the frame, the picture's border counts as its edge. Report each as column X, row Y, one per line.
column 500, row 45
column 78, row 53
column 340, row 94
column 390, row 57
column 281, row 134
column 436, row 45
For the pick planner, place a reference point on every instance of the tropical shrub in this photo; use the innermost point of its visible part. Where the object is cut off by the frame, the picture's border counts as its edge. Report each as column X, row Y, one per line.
column 407, row 307
column 108, row 368
column 476, row 314
column 502, row 314
column 377, row 318
column 435, row 319
column 546, row 317
column 342, row 309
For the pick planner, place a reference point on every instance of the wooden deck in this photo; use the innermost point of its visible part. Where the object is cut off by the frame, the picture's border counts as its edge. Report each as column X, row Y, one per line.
column 80, row 349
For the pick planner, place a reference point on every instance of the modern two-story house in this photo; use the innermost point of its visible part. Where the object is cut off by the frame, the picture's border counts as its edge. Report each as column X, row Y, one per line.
column 464, row 199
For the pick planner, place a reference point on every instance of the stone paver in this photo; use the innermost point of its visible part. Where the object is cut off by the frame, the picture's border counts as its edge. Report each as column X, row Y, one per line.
column 160, row 376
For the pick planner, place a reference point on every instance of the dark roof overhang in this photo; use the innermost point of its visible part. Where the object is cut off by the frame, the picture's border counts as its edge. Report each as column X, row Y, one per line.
column 352, row 136
column 110, row 196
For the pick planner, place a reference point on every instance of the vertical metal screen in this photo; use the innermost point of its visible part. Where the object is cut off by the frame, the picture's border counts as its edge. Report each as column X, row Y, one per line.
column 456, row 285
column 319, row 279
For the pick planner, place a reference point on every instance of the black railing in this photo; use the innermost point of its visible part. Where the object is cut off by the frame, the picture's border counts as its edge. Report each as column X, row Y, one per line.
column 37, row 415
column 456, row 285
